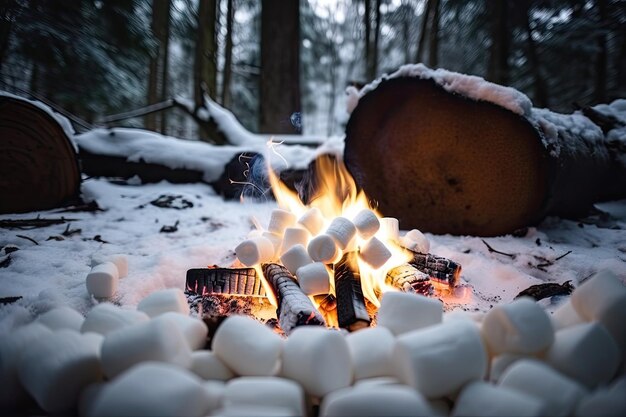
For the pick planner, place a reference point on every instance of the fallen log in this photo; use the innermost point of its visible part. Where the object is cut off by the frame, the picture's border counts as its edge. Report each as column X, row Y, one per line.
column 463, row 156
column 231, row 281
column 294, row 307
column 351, row 309
column 408, row 278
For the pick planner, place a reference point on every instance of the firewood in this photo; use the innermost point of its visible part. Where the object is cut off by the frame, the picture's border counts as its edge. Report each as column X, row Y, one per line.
column 294, row 307
column 443, row 161
column 408, row 278
column 351, row 310
column 234, row 281
column 437, row 268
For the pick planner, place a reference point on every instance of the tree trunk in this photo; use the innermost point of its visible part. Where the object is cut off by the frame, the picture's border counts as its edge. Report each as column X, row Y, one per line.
column 6, row 16
column 280, row 65
column 160, row 31
column 433, row 48
column 205, row 64
column 539, row 84
column 422, row 39
column 373, row 64
column 165, row 51
column 442, row 162
column 498, row 69
column 228, row 55
column 367, row 19
column 601, row 57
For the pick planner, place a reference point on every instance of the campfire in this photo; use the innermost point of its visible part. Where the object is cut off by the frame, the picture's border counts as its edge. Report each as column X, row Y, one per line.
column 326, row 262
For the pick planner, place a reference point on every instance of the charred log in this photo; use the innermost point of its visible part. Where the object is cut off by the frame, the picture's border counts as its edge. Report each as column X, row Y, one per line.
column 294, row 307
column 439, row 269
column 233, row 281
column 351, row 309
column 408, row 278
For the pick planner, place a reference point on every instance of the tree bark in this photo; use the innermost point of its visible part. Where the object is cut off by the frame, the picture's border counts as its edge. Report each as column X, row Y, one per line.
column 228, row 55
column 433, row 48
column 165, row 51
column 367, row 20
column 601, row 57
column 6, row 23
column 422, row 39
column 373, row 64
column 280, row 65
column 205, row 64
column 498, row 68
column 160, row 31
column 445, row 163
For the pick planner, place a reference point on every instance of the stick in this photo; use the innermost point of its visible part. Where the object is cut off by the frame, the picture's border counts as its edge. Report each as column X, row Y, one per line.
column 294, row 307
column 351, row 311
column 232, row 281
column 32, row 223
column 408, row 278
column 492, row 250
column 27, row 238
column 437, row 268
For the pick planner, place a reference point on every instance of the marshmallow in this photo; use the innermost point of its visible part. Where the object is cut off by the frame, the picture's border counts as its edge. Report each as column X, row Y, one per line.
column 153, row 389
column 256, row 411
column 121, row 262
column 162, row 301
column 416, row 241
column 585, row 352
column 323, row 248
column 312, row 220
column 342, row 231
column 376, row 381
column 559, row 393
column 194, row 330
column 402, row 312
column 318, row 359
column 565, row 316
column 102, row 280
column 247, row 347
column 280, row 220
column 214, row 391
column 256, row 233
column 207, row 365
column 295, row 258
column 389, row 229
column 12, row 393
column 277, row 242
column 366, row 223
column 62, row 318
column 155, row 340
column 265, row 392
column 56, row 369
column 522, row 326
column 255, row 251
column 603, row 298
column 374, row 253
column 106, row 317
column 483, row 399
column 438, row 360
column 294, row 236
column 373, row 401
column 371, row 351
column 501, row 362
column 604, row 401
column 313, row 279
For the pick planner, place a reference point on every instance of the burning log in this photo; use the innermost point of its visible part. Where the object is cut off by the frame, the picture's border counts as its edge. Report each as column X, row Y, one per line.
column 233, row 281
column 439, row 269
column 294, row 307
column 351, row 310
column 408, row 278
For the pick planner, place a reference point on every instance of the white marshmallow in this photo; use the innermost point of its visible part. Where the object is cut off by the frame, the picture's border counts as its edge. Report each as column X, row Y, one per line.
column 277, row 242
column 162, row 301
column 312, row 220
column 522, row 326
column 12, row 393
column 389, row 229
column 255, row 251
column 255, row 233
column 295, row 258
column 416, row 241
column 207, row 365
column 106, row 317
column 102, row 280
column 56, row 369
column 565, row 316
column 604, row 401
column 247, row 347
column 366, row 223
column 371, row 351
column 265, row 392
column 280, row 220
column 295, row 236
column 560, row 394
column 585, row 352
column 214, row 391
column 156, row 340
column 62, row 318
column 438, row 360
column 403, row 312
column 374, row 401
column 374, row 253
column 249, row 410
column 313, row 279
column 483, row 399
column 318, row 359
column 603, row 298
column 153, row 389
column 376, row 381
column 501, row 362
column 121, row 262
column 194, row 330
column 342, row 231
column 323, row 248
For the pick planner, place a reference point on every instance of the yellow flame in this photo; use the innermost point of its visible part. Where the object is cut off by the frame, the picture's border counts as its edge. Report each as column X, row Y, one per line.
column 266, row 285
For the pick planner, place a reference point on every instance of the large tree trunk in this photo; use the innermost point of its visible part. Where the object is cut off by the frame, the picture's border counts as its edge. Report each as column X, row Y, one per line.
column 443, row 162
column 280, row 65
column 158, row 61
column 6, row 22
column 205, row 62
column 228, row 55
column 433, row 48
column 498, row 68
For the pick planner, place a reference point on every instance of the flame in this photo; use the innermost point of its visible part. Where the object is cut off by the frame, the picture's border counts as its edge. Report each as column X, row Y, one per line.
column 266, row 285
column 337, row 194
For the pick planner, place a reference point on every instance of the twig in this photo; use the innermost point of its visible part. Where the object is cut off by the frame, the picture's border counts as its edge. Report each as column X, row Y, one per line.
column 32, row 223
column 67, row 232
column 550, row 263
column 27, row 238
column 492, row 250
